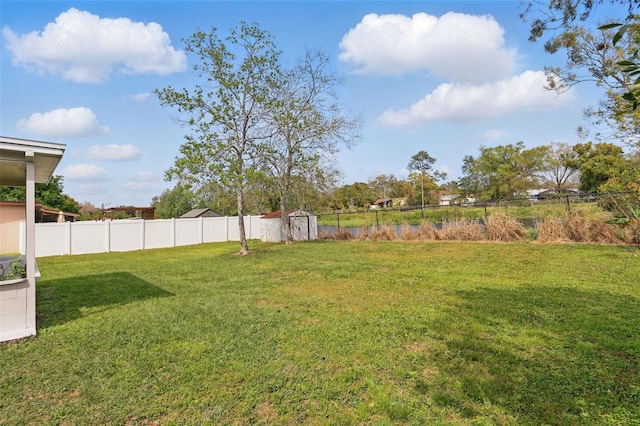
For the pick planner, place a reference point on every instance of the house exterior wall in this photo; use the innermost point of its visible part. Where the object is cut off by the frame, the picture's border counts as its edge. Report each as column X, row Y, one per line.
column 10, row 217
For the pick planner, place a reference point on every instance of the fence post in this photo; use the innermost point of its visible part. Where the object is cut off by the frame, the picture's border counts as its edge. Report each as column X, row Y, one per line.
column 173, row 232
column 201, row 230
column 568, row 204
column 67, row 231
column 142, row 233
column 338, row 214
column 107, row 235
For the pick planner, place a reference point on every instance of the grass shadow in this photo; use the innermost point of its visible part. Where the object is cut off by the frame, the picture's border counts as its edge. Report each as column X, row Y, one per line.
column 544, row 355
column 63, row 300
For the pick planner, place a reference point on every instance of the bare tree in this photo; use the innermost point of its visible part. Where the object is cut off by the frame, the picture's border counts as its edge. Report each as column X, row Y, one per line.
column 307, row 128
column 555, row 171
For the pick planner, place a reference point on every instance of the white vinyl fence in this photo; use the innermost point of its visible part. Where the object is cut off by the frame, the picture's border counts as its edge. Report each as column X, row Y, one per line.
column 53, row 239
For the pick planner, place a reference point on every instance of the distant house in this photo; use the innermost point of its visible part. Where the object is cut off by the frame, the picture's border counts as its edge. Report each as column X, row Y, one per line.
column 552, row 193
column 447, row 200
column 541, row 194
column 195, row 213
column 381, row 203
column 399, row 202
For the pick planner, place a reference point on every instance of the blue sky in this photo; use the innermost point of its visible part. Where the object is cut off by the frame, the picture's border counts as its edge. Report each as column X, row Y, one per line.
column 444, row 77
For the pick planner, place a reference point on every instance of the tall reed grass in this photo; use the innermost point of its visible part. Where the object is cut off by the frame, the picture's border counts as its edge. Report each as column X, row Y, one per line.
column 579, row 226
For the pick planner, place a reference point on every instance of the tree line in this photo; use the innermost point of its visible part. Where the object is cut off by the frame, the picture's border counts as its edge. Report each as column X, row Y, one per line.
column 500, row 172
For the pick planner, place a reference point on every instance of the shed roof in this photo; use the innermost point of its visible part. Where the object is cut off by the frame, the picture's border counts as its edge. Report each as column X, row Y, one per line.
column 199, row 212
column 15, row 153
column 293, row 212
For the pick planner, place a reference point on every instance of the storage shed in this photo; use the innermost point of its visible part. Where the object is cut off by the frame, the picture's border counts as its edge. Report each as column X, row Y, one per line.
column 304, row 226
column 195, row 213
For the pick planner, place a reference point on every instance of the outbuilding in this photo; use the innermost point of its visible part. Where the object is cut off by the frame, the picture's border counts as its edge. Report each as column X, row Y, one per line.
column 23, row 163
column 196, row 213
column 304, row 226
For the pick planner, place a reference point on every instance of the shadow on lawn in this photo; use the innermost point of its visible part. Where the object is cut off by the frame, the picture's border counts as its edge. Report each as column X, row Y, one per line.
column 542, row 356
column 60, row 301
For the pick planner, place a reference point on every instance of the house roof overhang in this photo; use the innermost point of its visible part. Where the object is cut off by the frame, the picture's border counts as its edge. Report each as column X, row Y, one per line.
column 16, row 153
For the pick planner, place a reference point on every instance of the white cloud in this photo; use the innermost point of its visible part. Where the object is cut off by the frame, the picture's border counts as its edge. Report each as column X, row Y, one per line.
column 84, row 172
column 114, row 152
column 458, row 47
column 90, row 189
column 139, row 97
column 85, row 48
column 521, row 93
column 493, row 134
column 143, row 180
column 73, row 122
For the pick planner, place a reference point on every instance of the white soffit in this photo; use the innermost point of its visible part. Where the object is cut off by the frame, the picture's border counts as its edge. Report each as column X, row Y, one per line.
column 15, row 153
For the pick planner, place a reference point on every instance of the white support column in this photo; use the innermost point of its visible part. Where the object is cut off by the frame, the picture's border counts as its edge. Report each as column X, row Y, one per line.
column 30, row 215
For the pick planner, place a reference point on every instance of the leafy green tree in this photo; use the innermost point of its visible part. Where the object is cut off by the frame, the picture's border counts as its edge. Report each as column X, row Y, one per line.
column 553, row 18
column 598, row 164
column 595, row 53
column 502, row 172
column 174, row 202
column 422, row 162
column 382, row 186
column 51, row 195
column 353, row 196
column 307, row 128
column 225, row 113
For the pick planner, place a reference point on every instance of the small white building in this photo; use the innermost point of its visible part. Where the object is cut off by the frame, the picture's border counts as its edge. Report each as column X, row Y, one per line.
column 24, row 163
column 304, row 226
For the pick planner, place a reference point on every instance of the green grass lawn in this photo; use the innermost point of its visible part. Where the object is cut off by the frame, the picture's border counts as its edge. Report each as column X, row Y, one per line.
column 333, row 333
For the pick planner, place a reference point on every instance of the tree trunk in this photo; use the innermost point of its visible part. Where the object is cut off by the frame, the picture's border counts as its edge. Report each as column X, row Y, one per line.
column 288, row 238
column 244, row 247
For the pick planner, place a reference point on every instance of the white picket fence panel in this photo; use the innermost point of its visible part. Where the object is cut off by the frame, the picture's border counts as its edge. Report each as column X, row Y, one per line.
column 54, row 239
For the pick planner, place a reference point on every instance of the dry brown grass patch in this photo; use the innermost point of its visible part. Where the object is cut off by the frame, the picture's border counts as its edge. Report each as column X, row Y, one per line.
column 603, row 233
column 501, row 227
column 343, row 235
column 364, row 235
column 385, row 233
column 632, row 232
column 324, row 235
column 407, row 233
column 551, row 230
column 427, row 232
column 461, row 230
